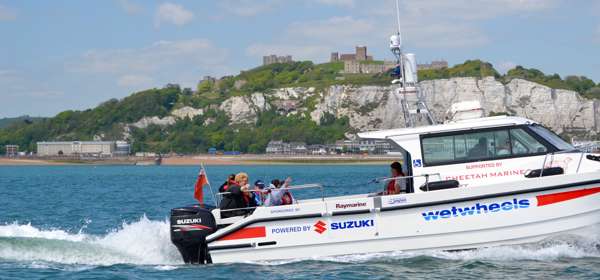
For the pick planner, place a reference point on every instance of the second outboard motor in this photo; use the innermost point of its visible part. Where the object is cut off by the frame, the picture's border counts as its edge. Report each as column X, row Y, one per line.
column 189, row 228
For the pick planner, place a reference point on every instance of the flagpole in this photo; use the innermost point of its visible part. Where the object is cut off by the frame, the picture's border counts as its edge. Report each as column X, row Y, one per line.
column 209, row 185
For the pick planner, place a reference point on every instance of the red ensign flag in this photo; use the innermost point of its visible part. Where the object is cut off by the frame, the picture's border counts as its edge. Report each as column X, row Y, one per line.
column 202, row 180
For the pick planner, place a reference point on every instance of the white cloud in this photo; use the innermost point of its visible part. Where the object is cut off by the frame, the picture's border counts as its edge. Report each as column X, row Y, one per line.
column 17, row 87
column 317, row 38
column 134, row 81
column 431, row 24
column 340, row 3
column 248, row 8
column 332, row 30
column 43, row 94
column 130, row 6
column 7, row 73
column 162, row 62
column 444, row 35
column 172, row 13
column 150, row 58
column 7, row 13
column 458, row 9
column 314, row 40
column 299, row 52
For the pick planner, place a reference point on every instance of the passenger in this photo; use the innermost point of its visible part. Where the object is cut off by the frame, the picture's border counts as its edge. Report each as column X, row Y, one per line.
column 278, row 196
column 232, row 199
column 230, row 180
column 398, row 185
column 503, row 148
column 287, row 197
column 258, row 195
column 242, row 180
column 480, row 150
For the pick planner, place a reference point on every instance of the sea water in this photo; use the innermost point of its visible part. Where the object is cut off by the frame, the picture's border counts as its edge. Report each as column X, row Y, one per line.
column 110, row 222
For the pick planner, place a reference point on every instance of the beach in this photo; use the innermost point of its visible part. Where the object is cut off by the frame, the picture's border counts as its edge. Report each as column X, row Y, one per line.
column 210, row 160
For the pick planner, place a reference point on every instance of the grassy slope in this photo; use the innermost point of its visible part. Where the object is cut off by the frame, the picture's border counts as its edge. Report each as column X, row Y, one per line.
column 108, row 118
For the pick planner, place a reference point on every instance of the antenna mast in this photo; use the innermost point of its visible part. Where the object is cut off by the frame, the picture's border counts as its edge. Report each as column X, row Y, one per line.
column 407, row 79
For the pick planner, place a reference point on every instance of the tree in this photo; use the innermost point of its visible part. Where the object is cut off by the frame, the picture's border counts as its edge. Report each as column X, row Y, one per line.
column 205, row 86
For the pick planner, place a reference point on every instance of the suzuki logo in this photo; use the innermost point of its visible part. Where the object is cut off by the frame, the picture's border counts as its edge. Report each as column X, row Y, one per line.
column 320, row 227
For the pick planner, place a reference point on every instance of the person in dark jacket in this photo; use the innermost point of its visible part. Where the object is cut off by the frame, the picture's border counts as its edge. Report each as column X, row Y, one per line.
column 232, row 199
column 230, row 180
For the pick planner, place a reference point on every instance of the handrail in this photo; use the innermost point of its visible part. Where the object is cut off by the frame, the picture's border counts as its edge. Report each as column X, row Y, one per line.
column 297, row 187
column 581, row 154
column 386, row 179
column 236, row 209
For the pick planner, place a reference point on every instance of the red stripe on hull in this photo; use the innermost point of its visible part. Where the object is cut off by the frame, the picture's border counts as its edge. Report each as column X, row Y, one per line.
column 546, row 199
column 250, row 232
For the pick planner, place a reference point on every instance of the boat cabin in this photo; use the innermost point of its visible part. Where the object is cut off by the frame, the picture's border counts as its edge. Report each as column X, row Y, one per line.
column 479, row 151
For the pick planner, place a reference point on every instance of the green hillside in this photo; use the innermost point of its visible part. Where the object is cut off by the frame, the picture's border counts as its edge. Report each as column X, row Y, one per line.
column 192, row 135
column 6, row 122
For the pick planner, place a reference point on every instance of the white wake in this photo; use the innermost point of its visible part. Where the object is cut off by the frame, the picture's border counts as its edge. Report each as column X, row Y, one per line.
column 144, row 242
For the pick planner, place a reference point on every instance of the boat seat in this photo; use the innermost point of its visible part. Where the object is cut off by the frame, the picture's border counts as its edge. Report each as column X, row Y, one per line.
column 592, row 157
column 550, row 171
column 439, row 185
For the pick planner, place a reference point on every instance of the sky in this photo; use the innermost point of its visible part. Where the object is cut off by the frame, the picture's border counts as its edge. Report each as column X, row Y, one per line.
column 72, row 55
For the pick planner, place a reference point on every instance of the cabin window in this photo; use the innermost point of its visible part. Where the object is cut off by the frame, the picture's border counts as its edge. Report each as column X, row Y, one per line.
column 501, row 146
column 480, row 145
column 439, row 149
column 552, row 138
column 460, row 147
column 523, row 143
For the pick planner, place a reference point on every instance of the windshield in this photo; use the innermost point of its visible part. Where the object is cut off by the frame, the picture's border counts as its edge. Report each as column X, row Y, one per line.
column 551, row 137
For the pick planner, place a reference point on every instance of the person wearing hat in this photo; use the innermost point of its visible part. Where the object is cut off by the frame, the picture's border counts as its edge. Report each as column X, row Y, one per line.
column 258, row 195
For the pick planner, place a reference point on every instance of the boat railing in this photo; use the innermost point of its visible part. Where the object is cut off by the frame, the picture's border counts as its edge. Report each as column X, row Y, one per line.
column 552, row 154
column 427, row 176
column 296, row 187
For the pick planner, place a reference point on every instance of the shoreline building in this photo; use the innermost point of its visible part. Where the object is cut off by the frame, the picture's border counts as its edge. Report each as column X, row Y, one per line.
column 70, row 148
column 285, row 148
column 12, row 150
column 270, row 59
column 362, row 146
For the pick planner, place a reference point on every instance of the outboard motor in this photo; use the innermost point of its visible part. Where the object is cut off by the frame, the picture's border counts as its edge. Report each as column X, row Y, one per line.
column 189, row 228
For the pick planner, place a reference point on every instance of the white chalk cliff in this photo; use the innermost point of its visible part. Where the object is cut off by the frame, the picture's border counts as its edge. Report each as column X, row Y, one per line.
column 378, row 107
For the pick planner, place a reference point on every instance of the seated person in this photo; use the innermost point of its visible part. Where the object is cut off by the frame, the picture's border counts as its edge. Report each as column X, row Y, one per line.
column 242, row 180
column 480, row 150
column 230, row 180
column 398, row 185
column 235, row 197
column 258, row 194
column 278, row 196
column 503, row 149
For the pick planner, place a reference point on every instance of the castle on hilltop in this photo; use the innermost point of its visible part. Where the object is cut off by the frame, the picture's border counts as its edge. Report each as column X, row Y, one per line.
column 361, row 62
column 436, row 64
column 270, row 59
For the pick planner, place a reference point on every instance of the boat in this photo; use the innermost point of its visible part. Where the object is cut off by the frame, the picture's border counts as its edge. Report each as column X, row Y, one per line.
column 543, row 187
column 477, row 182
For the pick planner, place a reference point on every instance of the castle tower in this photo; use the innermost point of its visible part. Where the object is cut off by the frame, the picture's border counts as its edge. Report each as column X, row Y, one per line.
column 334, row 57
column 361, row 53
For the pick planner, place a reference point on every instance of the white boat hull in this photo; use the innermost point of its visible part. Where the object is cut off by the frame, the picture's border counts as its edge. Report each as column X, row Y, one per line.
column 354, row 225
